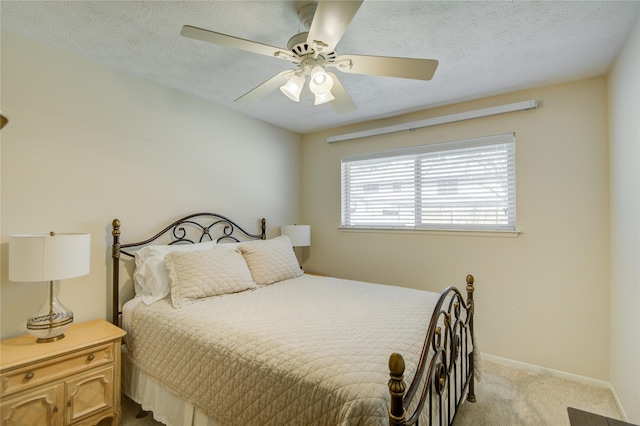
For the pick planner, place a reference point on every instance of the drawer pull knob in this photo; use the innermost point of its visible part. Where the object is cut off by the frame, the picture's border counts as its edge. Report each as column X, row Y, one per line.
column 29, row 375
column 91, row 357
column 55, row 409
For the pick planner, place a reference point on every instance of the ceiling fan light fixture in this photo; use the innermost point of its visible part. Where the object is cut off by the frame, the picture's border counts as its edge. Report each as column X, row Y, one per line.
column 320, row 82
column 314, row 50
column 293, row 87
column 323, row 98
column 319, row 79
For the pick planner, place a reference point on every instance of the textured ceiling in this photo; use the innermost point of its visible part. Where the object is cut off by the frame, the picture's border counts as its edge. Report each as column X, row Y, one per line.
column 484, row 48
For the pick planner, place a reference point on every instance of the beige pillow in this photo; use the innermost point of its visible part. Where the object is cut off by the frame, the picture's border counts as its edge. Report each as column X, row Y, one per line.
column 271, row 261
column 198, row 274
column 150, row 277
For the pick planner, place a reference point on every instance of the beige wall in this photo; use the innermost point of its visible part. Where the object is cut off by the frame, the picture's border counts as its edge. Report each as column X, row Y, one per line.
column 624, row 125
column 542, row 298
column 86, row 144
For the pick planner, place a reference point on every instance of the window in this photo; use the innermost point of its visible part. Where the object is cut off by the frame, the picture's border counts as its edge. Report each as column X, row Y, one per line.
column 461, row 185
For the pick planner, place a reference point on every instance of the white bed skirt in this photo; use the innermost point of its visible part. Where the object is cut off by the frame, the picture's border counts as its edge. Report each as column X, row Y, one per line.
column 164, row 405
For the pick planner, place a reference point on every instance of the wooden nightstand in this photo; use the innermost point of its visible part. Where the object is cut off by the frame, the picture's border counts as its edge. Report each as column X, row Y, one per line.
column 73, row 381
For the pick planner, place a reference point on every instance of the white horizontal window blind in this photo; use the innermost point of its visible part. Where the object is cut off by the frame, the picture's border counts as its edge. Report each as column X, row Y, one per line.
column 461, row 185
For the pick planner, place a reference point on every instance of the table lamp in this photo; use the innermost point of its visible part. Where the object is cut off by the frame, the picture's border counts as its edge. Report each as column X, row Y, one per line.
column 300, row 235
column 49, row 257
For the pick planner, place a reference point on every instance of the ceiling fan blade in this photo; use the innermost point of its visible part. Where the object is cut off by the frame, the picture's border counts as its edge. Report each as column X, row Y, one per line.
column 229, row 41
column 331, row 21
column 417, row 69
column 265, row 88
column 342, row 102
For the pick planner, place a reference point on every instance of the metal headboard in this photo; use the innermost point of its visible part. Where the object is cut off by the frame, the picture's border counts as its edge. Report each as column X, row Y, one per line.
column 191, row 229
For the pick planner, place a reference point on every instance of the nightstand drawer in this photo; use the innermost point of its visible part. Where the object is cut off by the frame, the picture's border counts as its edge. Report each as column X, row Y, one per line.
column 46, row 371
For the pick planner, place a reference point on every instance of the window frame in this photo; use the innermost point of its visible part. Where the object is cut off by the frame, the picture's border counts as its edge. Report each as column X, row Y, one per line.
column 418, row 154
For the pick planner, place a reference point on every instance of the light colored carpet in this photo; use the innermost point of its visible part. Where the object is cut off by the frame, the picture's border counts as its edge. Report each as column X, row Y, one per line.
column 129, row 411
column 507, row 396
column 510, row 396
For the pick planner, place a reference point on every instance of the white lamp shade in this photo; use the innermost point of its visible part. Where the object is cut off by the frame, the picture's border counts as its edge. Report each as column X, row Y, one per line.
column 300, row 235
column 46, row 257
column 293, row 87
column 320, row 81
column 323, row 98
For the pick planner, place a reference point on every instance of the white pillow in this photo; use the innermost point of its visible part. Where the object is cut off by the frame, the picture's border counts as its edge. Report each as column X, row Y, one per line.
column 271, row 261
column 227, row 245
column 150, row 277
column 205, row 273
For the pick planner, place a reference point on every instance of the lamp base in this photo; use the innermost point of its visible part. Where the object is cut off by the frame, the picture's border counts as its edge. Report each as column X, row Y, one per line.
column 48, row 333
column 49, row 329
column 51, row 320
column 49, row 339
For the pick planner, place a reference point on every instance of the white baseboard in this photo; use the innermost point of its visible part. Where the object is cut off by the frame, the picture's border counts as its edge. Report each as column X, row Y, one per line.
column 557, row 373
column 619, row 404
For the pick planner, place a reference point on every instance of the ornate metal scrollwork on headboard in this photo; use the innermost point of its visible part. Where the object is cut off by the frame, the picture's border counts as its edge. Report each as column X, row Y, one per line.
column 190, row 229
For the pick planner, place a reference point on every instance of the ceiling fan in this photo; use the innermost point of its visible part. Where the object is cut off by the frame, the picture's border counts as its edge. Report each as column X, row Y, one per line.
column 314, row 51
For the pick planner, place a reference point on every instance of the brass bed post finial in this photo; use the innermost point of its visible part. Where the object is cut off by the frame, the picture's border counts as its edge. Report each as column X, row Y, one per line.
column 116, row 237
column 470, row 289
column 397, row 388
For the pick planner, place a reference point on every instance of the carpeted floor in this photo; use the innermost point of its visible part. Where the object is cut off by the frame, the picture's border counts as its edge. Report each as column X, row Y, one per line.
column 129, row 411
column 507, row 396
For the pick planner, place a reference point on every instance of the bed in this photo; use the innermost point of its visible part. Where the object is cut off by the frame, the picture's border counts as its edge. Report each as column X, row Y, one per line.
column 226, row 329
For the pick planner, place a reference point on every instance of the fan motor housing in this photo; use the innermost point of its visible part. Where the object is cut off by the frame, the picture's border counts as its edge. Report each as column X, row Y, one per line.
column 300, row 48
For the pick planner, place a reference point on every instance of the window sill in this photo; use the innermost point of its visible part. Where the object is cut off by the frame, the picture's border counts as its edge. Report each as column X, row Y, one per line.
column 449, row 232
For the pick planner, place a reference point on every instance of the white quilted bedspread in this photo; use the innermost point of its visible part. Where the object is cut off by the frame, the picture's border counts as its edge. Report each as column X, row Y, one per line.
column 306, row 351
